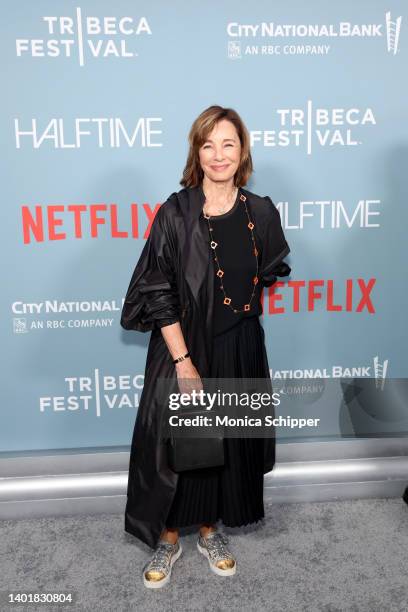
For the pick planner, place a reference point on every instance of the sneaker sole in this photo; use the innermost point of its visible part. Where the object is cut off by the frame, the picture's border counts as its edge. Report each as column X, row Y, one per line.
column 158, row 584
column 228, row 572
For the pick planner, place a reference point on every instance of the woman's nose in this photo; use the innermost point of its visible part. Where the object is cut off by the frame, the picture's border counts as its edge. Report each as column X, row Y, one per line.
column 219, row 154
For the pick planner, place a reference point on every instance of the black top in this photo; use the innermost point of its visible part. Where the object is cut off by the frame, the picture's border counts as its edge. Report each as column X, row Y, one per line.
column 235, row 252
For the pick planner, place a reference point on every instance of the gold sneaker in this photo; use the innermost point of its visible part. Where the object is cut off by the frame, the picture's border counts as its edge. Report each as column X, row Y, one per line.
column 157, row 572
column 213, row 546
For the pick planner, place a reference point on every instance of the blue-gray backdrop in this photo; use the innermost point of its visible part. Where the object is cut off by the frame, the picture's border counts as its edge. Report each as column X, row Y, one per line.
column 97, row 103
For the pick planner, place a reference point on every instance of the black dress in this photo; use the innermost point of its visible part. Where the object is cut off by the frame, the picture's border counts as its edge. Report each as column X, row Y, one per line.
column 234, row 491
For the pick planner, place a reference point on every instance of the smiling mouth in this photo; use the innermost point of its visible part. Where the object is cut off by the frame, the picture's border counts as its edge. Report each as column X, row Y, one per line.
column 220, row 167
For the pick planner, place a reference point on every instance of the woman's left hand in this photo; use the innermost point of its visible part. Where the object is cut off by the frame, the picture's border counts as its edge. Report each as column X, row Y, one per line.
column 188, row 377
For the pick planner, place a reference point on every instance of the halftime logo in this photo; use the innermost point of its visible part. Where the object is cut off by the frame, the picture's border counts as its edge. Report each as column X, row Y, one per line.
column 84, row 37
column 270, row 31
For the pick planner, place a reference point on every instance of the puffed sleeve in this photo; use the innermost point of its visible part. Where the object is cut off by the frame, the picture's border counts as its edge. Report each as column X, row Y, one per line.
column 152, row 299
column 274, row 248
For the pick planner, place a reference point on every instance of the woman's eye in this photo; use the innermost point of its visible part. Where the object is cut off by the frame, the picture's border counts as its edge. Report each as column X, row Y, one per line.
column 229, row 144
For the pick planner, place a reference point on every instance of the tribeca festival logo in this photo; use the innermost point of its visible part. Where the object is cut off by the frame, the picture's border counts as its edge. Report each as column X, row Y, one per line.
column 315, row 126
column 270, row 31
column 96, row 392
column 84, row 36
column 57, row 314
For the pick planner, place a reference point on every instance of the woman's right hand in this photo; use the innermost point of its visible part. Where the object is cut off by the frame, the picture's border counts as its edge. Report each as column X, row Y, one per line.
column 188, row 377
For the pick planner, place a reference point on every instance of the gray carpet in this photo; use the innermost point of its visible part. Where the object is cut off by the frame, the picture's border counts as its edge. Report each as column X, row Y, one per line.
column 328, row 556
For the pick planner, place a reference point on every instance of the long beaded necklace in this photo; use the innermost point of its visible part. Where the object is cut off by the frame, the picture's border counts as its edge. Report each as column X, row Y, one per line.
column 220, row 273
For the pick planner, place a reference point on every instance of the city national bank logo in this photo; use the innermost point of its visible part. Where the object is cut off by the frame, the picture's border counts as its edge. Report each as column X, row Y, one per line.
column 97, row 393
column 84, row 37
column 377, row 370
column 56, row 314
column 272, row 33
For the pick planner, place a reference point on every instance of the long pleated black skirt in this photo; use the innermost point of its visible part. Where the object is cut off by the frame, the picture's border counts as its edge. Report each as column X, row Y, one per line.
column 232, row 492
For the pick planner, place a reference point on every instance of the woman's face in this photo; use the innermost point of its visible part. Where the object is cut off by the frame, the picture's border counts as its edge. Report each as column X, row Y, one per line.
column 220, row 154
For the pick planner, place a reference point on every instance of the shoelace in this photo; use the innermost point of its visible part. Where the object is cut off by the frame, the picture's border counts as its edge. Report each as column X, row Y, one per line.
column 216, row 546
column 161, row 557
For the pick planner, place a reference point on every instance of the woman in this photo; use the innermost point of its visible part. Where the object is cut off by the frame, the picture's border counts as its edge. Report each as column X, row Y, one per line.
column 204, row 320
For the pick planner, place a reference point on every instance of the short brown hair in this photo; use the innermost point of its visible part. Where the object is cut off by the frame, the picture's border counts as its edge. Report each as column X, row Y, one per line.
column 193, row 173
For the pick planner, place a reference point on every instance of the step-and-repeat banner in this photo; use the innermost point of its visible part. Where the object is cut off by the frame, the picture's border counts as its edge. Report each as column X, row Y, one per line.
column 97, row 103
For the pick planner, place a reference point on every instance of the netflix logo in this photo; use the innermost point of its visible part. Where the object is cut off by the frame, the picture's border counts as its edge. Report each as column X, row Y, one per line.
column 80, row 221
column 351, row 295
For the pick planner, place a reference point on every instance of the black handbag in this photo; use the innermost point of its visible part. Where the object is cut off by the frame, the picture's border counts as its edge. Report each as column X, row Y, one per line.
column 192, row 453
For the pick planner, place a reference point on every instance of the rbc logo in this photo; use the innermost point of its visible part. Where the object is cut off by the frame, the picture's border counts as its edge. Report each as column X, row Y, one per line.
column 20, row 325
column 234, row 49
